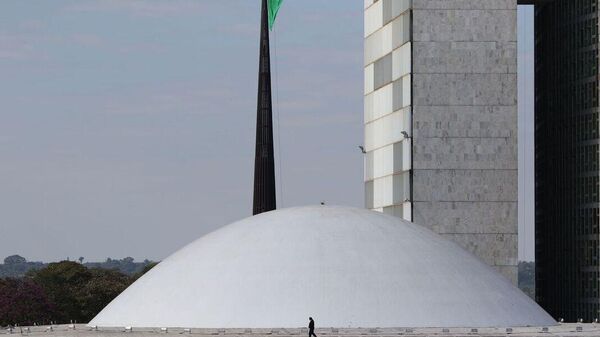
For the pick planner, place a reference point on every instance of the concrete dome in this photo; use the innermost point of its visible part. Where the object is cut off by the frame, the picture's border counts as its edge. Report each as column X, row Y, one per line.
column 345, row 267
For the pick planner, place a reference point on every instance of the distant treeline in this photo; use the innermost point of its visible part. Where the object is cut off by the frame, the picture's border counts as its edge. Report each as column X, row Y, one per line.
column 16, row 266
column 527, row 278
column 62, row 292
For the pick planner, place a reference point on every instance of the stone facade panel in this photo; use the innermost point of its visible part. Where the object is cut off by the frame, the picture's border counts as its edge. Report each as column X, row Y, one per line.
column 465, row 89
column 465, row 153
column 465, row 57
column 510, row 272
column 464, row 25
column 494, row 249
column 465, row 185
column 464, row 121
column 465, row 4
column 467, row 217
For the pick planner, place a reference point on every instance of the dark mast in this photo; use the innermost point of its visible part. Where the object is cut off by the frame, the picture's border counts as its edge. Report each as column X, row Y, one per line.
column 264, row 162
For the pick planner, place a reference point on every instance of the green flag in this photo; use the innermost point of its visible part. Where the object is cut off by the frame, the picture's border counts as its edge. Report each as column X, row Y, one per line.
column 273, row 9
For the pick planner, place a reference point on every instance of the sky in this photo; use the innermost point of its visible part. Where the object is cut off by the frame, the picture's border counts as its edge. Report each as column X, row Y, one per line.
column 525, row 69
column 127, row 127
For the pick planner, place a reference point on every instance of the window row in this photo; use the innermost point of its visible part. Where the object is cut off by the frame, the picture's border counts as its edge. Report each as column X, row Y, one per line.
column 387, row 191
column 388, row 160
column 588, row 222
column 578, row 64
column 382, row 12
column 388, row 69
column 571, row 96
column 586, row 159
column 586, row 126
column 587, row 189
column 403, row 211
column 387, row 130
column 388, row 38
column 392, row 97
column 588, row 253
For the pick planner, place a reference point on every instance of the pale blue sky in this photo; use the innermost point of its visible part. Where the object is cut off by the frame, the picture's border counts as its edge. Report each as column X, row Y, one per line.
column 526, row 151
column 127, row 127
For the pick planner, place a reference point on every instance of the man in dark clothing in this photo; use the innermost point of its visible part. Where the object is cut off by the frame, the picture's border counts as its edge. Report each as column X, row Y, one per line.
column 311, row 327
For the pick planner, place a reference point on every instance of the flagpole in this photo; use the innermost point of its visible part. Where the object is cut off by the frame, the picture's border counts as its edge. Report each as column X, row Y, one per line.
column 264, row 161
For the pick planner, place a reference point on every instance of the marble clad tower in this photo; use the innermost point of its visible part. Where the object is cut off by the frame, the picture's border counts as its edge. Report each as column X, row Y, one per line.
column 441, row 120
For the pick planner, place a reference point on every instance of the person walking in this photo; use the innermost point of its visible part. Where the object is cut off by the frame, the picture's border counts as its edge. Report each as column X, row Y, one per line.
column 311, row 327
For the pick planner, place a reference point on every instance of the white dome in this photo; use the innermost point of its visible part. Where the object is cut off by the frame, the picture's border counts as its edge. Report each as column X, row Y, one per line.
column 345, row 267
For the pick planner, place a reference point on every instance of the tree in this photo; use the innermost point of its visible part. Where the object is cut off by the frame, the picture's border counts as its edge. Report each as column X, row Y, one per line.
column 61, row 282
column 23, row 302
column 14, row 259
column 146, row 269
column 100, row 290
column 17, row 266
column 81, row 259
column 80, row 293
column 527, row 278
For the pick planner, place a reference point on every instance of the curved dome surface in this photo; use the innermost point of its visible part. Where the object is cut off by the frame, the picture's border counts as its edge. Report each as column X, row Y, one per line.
column 346, row 267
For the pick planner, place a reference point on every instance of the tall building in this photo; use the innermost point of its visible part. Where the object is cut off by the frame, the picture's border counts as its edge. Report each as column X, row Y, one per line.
column 441, row 120
column 566, row 158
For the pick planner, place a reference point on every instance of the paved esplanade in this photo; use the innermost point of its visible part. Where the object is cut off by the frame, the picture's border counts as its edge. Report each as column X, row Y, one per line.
column 563, row 330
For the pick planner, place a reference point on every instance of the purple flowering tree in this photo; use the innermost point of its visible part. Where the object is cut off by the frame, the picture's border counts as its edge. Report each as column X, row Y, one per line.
column 23, row 302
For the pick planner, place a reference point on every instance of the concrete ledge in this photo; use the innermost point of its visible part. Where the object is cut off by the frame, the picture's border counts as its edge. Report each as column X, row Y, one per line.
column 563, row 330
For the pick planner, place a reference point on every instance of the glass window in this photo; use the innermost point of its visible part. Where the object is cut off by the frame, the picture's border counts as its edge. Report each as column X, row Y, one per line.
column 383, row 71
column 398, row 93
column 400, row 30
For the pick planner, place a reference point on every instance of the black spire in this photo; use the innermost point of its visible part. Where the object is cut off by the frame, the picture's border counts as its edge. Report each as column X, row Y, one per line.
column 264, row 162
